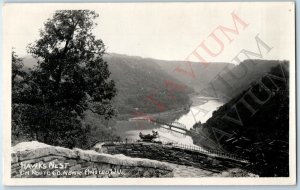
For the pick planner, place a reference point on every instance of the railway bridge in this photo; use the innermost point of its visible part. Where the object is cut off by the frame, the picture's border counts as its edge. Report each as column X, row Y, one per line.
column 173, row 126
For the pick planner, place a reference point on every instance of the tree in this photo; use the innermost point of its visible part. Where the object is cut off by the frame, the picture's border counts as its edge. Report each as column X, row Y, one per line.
column 17, row 66
column 70, row 78
column 71, row 69
column 18, row 75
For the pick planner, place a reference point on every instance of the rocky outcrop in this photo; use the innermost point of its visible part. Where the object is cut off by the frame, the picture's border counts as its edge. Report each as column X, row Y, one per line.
column 34, row 159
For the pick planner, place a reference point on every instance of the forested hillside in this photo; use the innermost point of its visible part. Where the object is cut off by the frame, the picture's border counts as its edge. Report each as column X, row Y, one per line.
column 217, row 79
column 142, row 85
column 255, row 124
column 238, row 78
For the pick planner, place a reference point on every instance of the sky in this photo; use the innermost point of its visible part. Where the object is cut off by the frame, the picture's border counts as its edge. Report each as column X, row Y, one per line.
column 169, row 31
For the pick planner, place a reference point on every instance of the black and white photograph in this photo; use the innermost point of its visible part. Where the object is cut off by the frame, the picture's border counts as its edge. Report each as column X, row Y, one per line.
column 150, row 93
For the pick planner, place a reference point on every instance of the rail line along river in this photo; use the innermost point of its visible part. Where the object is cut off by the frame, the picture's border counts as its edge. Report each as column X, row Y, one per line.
column 201, row 110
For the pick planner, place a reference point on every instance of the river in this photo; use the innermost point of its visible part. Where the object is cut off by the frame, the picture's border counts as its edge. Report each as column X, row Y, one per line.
column 196, row 113
column 199, row 113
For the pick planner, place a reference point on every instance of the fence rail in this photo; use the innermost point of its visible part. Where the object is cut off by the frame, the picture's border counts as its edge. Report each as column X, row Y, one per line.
column 210, row 152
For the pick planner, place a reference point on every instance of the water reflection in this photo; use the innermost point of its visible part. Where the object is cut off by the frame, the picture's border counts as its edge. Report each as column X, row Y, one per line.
column 197, row 113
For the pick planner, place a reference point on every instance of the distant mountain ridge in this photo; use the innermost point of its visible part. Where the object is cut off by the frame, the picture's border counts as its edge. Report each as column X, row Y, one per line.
column 150, row 85
column 194, row 74
column 142, row 86
column 217, row 79
column 232, row 82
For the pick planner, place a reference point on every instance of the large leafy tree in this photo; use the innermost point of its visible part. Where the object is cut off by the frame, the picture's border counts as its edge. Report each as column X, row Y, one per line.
column 70, row 78
column 70, row 68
